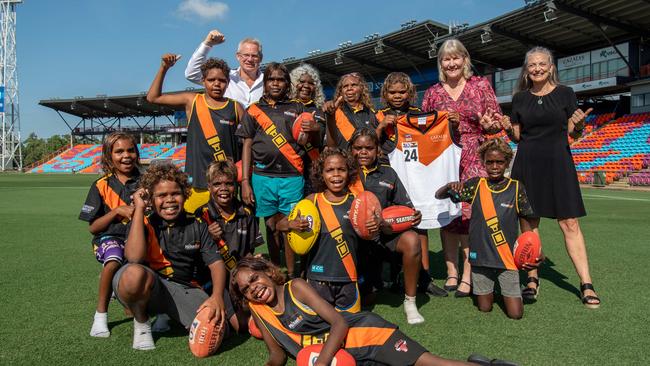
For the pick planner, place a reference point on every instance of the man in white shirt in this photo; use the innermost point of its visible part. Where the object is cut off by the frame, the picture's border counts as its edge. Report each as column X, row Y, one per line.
column 246, row 82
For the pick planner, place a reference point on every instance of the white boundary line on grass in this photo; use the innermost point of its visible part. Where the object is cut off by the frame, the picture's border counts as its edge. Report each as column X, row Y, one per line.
column 615, row 198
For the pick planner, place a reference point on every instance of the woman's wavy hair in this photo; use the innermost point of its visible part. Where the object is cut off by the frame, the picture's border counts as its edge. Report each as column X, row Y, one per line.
column 365, row 91
column 524, row 83
column 107, row 150
column 297, row 73
column 257, row 264
column 399, row 77
column 454, row 47
column 317, row 169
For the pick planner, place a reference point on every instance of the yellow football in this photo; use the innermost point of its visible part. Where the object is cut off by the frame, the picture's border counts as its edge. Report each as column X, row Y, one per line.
column 301, row 242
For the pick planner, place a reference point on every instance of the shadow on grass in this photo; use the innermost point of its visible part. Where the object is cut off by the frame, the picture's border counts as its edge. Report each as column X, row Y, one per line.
column 549, row 273
column 115, row 323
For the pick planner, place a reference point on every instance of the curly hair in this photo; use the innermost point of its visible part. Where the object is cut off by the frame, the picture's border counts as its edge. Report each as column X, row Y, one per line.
column 256, row 264
column 402, row 78
column 215, row 63
column 297, row 73
column 107, row 150
column 223, row 167
column 268, row 71
column 317, row 169
column 496, row 144
column 164, row 171
column 365, row 92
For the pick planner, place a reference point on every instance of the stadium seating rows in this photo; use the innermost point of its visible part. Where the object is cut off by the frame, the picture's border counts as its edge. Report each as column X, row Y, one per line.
column 617, row 148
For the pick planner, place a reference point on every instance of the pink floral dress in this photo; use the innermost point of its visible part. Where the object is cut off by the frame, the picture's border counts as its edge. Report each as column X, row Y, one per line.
column 476, row 97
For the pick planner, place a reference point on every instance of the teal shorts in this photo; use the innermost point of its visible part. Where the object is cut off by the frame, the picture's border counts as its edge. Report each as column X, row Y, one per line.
column 276, row 194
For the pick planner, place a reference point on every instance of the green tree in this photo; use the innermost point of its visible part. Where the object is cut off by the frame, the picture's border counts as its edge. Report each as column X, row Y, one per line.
column 36, row 148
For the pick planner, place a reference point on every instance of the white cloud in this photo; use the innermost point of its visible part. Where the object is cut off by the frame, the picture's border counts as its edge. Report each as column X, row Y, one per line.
column 202, row 9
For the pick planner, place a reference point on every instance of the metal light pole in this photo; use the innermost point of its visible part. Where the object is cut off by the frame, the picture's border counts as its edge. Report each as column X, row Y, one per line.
column 11, row 153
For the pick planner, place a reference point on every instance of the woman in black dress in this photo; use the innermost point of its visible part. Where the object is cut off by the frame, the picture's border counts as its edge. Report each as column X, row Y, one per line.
column 543, row 112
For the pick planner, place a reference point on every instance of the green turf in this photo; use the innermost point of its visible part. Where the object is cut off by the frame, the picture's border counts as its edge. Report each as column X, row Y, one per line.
column 48, row 279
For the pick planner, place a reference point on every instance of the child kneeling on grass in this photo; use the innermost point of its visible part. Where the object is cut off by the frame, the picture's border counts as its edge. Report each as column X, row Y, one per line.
column 498, row 205
column 168, row 252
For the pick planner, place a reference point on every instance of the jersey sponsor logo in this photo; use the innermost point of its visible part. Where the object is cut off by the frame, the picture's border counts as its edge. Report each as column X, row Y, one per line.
column 386, row 184
column 290, row 114
column 295, row 322
column 242, row 231
column 192, row 246
column 438, row 138
column 87, row 209
column 401, row 346
column 408, row 137
column 226, row 122
column 503, row 204
column 318, row 268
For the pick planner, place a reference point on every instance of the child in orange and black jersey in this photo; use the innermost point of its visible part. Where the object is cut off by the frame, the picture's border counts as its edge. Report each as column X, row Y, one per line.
column 350, row 110
column 231, row 225
column 505, row 197
column 306, row 87
column 332, row 261
column 212, row 121
column 107, row 209
column 399, row 94
column 276, row 157
column 382, row 180
column 291, row 316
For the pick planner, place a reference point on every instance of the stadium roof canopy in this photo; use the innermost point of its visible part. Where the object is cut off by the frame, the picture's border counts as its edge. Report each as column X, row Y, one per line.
column 566, row 27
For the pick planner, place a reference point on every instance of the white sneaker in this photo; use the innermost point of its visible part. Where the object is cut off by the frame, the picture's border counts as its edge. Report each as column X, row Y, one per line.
column 142, row 338
column 100, row 326
column 413, row 316
column 161, row 324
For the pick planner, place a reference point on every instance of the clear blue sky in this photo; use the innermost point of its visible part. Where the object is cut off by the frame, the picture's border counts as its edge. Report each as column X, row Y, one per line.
column 84, row 48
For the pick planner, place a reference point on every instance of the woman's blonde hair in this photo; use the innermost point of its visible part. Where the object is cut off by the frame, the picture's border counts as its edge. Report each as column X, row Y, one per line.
column 524, row 83
column 454, row 47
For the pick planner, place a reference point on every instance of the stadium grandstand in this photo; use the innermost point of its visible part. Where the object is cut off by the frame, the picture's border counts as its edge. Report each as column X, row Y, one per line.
column 601, row 49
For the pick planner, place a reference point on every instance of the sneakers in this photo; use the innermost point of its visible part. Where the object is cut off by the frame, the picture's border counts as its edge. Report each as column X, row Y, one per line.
column 426, row 285
column 100, row 326
column 161, row 324
column 142, row 338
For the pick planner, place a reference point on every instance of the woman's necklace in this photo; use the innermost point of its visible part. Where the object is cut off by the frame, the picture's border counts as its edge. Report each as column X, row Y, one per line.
column 540, row 95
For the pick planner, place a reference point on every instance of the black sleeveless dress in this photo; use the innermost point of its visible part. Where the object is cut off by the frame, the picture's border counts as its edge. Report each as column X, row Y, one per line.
column 543, row 162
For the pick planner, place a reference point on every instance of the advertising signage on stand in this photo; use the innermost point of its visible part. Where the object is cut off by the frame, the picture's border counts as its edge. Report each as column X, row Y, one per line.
column 2, row 99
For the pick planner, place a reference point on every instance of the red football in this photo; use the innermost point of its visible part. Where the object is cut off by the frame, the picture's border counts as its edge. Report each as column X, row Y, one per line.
column 364, row 206
column 296, row 130
column 253, row 329
column 400, row 218
column 205, row 338
column 308, row 355
column 527, row 248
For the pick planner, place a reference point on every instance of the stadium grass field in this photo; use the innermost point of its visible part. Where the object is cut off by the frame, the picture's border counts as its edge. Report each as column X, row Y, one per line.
column 48, row 283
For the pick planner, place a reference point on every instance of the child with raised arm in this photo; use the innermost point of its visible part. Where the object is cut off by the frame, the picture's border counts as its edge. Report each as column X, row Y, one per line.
column 107, row 209
column 499, row 206
column 212, row 121
column 291, row 316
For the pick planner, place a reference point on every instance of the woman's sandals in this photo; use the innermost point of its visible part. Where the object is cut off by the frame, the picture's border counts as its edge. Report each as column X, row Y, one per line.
column 590, row 301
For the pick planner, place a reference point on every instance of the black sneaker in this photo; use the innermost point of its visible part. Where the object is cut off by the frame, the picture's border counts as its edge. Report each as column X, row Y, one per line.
column 484, row 361
column 430, row 288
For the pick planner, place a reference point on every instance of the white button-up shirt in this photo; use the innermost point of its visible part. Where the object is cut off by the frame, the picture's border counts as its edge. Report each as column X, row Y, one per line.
column 237, row 88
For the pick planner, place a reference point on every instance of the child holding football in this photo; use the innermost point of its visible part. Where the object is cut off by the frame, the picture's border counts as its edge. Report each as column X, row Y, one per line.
column 499, row 206
column 291, row 316
column 382, row 180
